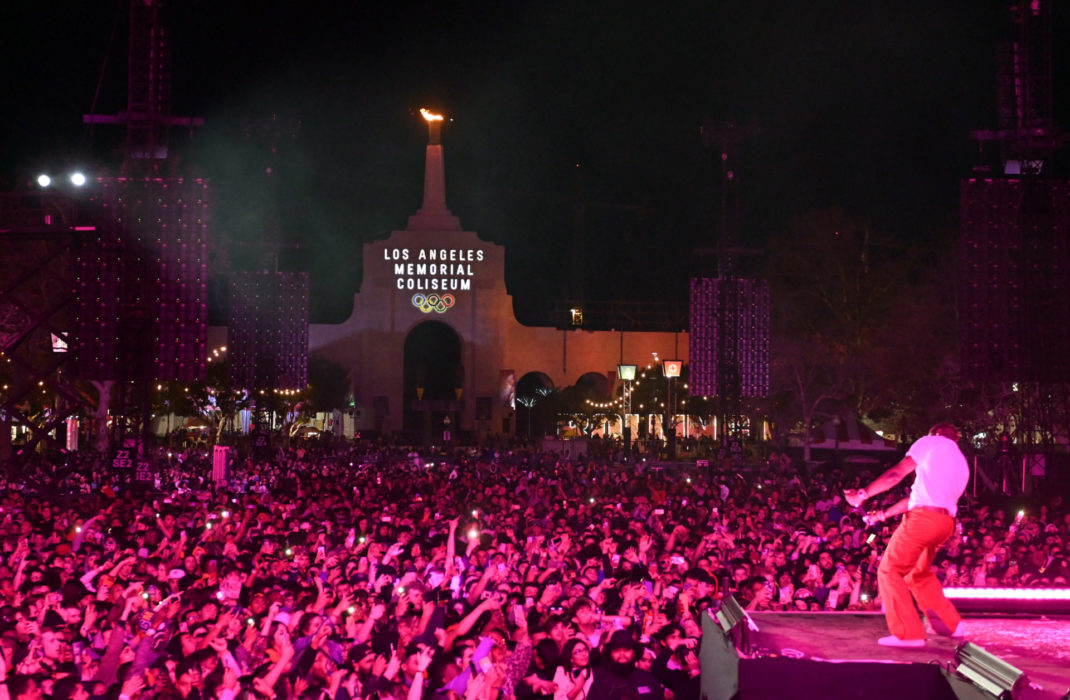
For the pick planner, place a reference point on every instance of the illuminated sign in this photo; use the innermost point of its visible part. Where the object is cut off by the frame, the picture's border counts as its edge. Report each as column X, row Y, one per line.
column 433, row 302
column 434, row 270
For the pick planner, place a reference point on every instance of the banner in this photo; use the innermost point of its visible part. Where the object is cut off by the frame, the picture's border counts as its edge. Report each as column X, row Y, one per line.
column 219, row 464
column 507, row 388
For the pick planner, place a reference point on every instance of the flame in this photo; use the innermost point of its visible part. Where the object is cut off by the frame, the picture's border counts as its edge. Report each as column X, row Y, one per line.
column 430, row 116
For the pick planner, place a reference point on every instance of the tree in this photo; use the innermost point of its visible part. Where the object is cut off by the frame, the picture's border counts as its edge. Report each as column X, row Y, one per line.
column 528, row 402
column 581, row 403
column 100, row 403
column 291, row 408
column 651, row 396
column 833, row 285
column 214, row 400
column 698, row 408
column 804, row 378
column 914, row 364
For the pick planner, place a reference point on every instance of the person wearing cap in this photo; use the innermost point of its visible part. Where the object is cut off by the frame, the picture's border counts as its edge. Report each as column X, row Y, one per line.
column 619, row 677
column 941, row 475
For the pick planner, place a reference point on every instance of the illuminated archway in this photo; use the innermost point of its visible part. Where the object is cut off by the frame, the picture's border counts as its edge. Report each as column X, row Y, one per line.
column 433, row 374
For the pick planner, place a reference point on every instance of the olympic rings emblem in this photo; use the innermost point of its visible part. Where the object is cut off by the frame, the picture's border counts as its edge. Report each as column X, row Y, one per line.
column 433, row 302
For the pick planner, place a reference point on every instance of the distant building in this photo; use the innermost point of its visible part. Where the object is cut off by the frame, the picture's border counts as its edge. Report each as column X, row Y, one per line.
column 433, row 334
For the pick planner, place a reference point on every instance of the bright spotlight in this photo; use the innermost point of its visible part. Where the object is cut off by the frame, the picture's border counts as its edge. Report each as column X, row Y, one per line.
column 44, row 180
column 77, row 179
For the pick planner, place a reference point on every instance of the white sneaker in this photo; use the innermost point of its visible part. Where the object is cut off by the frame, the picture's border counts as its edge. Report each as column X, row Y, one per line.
column 892, row 641
column 943, row 630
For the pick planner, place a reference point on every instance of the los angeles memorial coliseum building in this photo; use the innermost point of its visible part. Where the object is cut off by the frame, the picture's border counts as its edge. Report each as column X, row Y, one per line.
column 433, row 334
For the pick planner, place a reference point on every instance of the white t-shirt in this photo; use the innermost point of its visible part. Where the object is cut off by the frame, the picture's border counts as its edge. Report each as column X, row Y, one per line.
column 565, row 682
column 941, row 474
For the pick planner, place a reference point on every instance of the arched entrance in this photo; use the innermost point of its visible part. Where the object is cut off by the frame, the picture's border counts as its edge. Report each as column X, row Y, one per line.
column 433, row 376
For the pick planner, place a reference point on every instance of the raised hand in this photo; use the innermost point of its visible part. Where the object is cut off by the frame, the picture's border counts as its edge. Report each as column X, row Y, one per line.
column 423, row 658
column 855, row 497
column 132, row 685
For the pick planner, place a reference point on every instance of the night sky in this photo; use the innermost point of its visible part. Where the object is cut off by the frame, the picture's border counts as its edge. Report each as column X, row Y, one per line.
column 572, row 120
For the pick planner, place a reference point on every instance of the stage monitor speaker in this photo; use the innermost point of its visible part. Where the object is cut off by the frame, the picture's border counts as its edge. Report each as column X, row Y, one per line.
column 729, row 614
column 717, row 654
column 989, row 674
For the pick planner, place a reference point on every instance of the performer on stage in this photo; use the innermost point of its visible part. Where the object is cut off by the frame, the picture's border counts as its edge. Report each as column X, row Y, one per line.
column 941, row 475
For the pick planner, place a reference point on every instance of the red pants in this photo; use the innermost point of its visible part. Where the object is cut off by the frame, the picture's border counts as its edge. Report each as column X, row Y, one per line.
column 904, row 569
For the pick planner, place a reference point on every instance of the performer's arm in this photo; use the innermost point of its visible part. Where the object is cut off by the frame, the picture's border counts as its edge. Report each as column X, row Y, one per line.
column 882, row 483
column 894, row 510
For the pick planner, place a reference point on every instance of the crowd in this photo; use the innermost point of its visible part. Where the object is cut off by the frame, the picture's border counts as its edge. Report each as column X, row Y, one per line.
column 376, row 572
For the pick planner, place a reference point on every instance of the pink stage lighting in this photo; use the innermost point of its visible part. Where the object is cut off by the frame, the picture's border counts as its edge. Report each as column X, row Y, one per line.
column 1040, row 601
column 1008, row 593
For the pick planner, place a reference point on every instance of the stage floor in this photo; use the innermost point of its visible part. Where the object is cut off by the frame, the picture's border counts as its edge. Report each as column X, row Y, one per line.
column 1037, row 645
